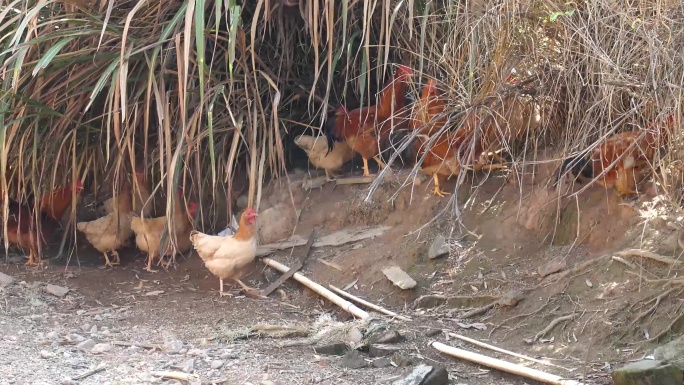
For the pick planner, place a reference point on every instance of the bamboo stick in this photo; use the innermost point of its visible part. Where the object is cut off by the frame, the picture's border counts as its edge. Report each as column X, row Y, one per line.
column 327, row 294
column 505, row 366
column 368, row 304
column 504, row 351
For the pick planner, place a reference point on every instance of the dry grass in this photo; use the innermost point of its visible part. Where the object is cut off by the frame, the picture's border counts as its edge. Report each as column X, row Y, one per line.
column 199, row 91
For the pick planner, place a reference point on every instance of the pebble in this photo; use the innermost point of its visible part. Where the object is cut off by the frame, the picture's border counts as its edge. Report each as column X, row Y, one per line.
column 37, row 317
column 52, row 335
column 228, row 355
column 86, row 327
column 216, row 364
column 88, row 344
column 197, row 353
column 93, row 329
column 101, row 348
column 97, row 317
column 439, row 247
column 75, row 338
column 45, row 354
column 187, row 366
column 173, row 346
column 57, row 291
column 66, row 381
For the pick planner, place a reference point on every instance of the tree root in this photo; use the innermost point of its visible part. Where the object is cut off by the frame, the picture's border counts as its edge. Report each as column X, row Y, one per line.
column 552, row 325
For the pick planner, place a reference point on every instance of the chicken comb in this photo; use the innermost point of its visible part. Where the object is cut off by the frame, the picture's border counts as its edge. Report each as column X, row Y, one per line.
column 404, row 70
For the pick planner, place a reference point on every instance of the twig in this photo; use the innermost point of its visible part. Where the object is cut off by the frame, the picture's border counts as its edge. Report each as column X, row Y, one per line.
column 624, row 262
column 479, row 310
column 138, row 344
column 576, row 270
column 552, row 325
column 327, row 294
column 354, row 180
column 648, row 254
column 180, row 376
column 327, row 263
column 368, row 304
column 500, row 350
column 655, row 305
column 90, row 372
column 666, row 330
column 506, row 366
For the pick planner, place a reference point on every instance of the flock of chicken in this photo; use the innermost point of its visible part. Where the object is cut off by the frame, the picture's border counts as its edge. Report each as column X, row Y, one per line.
column 620, row 161
column 224, row 256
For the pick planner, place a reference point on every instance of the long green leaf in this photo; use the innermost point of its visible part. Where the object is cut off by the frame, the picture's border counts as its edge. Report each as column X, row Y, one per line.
column 50, row 54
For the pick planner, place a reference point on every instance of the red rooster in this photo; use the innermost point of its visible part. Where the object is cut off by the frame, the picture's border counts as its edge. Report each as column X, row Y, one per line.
column 22, row 229
column 364, row 128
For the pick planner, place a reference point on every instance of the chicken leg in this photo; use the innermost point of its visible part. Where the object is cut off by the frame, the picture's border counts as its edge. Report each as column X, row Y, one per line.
column 221, row 292
column 108, row 263
column 34, row 260
column 150, row 259
column 250, row 292
column 117, row 259
column 365, row 168
column 438, row 191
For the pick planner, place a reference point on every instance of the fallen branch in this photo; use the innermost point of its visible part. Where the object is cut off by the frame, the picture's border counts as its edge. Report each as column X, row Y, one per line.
column 624, row 262
column 504, row 351
column 335, row 239
column 479, row 310
column 138, row 344
column 327, row 294
column 552, row 325
column 354, row 180
column 368, row 304
column 90, row 372
column 505, row 366
column 180, row 376
column 650, row 255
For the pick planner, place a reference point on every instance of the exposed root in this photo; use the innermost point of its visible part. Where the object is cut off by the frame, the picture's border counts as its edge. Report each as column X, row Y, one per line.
column 624, row 262
column 479, row 310
column 650, row 255
column 526, row 315
column 575, row 271
column 666, row 330
column 552, row 325
column 657, row 300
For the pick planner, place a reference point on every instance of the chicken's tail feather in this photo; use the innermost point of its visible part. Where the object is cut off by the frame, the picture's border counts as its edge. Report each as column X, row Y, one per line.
column 577, row 166
column 330, row 134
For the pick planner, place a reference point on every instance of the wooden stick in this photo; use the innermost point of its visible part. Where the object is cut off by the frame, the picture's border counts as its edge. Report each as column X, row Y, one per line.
column 504, row 351
column 90, row 372
column 335, row 239
column 505, row 366
column 180, row 376
column 368, row 304
column 354, row 180
column 327, row 294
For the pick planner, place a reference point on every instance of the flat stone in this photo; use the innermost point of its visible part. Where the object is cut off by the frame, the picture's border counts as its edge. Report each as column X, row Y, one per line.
column 216, row 364
column 57, row 291
column 5, row 279
column 378, row 350
column 439, row 247
column 399, row 277
column 672, row 352
column 353, row 360
column 101, row 348
column 425, row 375
column 383, row 362
column 648, row 372
column 339, row 349
column 402, row 360
column 88, row 345
column 390, row 337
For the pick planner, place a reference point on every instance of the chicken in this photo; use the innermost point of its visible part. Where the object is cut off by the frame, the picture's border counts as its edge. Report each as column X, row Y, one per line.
column 150, row 232
column 317, row 151
column 364, row 129
column 141, row 199
column 622, row 160
column 110, row 232
column 226, row 257
column 442, row 157
column 22, row 229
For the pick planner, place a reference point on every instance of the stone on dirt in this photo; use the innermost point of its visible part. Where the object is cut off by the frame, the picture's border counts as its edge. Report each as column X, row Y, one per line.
column 5, row 279
column 88, row 345
column 378, row 350
column 101, row 348
column 425, row 375
column 672, row 352
column 647, row 372
column 332, row 350
column 353, row 360
column 439, row 247
column 57, row 291
column 553, row 266
column 399, row 277
column 383, row 362
column 389, row 337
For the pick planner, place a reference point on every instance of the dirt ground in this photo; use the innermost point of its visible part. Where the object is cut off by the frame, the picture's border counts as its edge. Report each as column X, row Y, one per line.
column 599, row 310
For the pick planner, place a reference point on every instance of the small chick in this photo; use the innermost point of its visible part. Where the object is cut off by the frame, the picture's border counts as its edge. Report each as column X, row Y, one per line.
column 317, row 150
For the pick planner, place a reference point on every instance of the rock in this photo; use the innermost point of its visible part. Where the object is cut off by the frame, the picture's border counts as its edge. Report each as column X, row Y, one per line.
column 173, row 346
column 37, row 317
column 216, row 364
column 197, row 353
column 276, row 223
column 93, row 329
column 672, row 352
column 389, row 337
column 52, row 335
column 75, row 338
column 57, row 291
column 88, row 345
column 354, row 335
column 86, row 327
column 432, row 332
column 401, row 360
column 399, row 277
column 353, row 360
column 648, row 372
column 332, row 349
column 439, row 247
column 377, row 350
column 187, row 366
column 101, row 348
column 382, row 363
column 425, row 375
column 511, row 298
column 554, row 266
column 45, row 354
column 5, row 279
column 66, row 381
